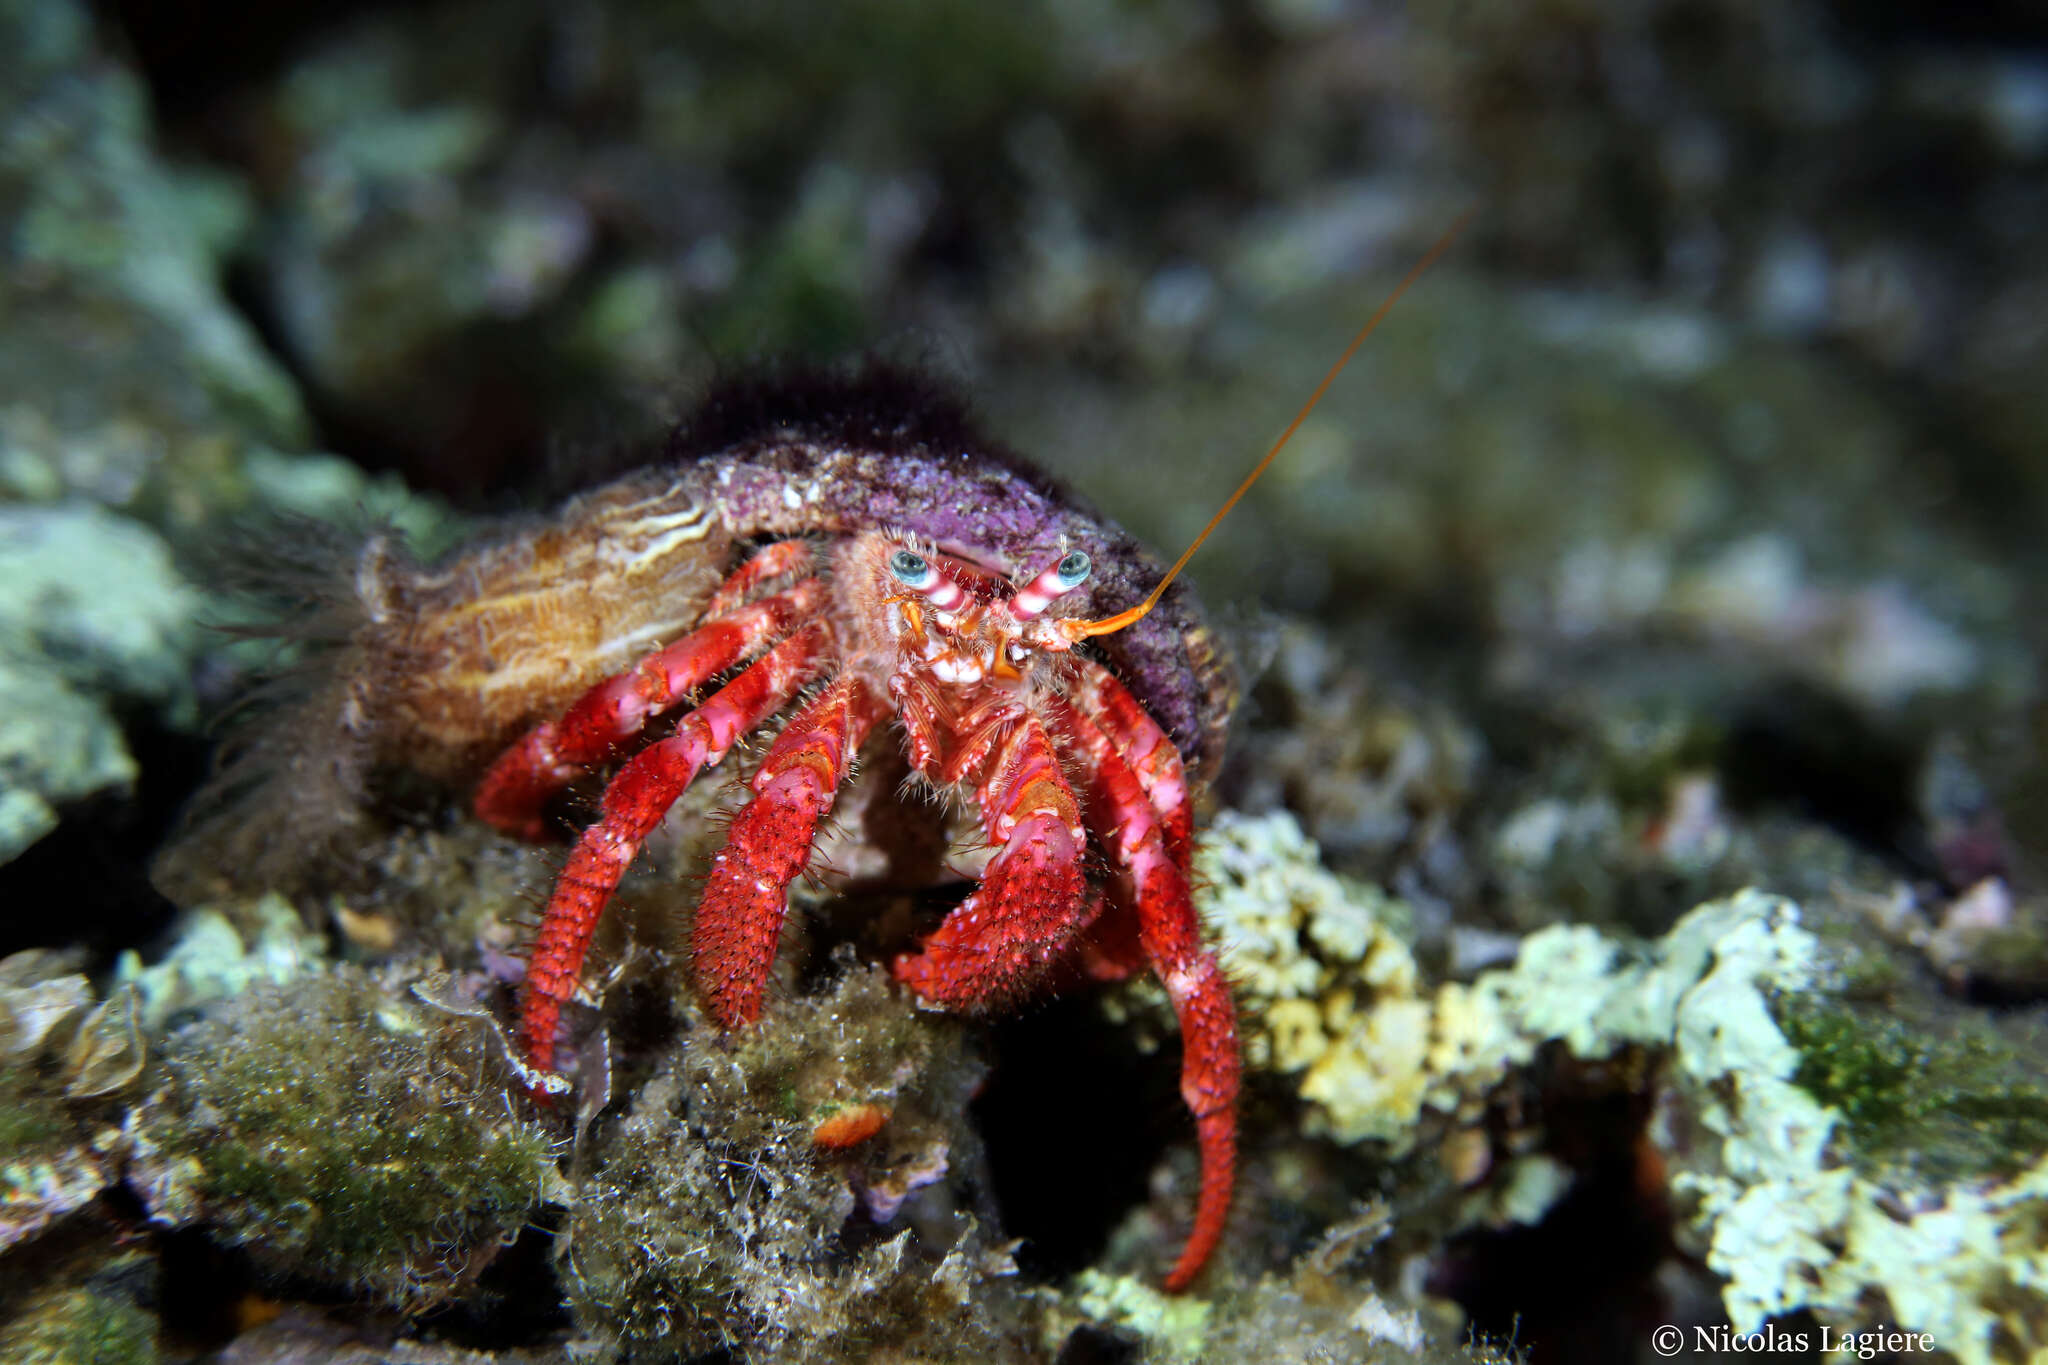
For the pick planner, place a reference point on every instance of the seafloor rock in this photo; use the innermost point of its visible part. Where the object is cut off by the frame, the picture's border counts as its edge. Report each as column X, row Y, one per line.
column 1838, row 1131
column 344, row 1134
column 210, row 961
column 1312, row 1315
column 87, row 1308
column 123, row 370
column 131, row 396
column 723, row 1207
column 1564, row 468
column 1564, row 534
column 92, row 615
column 50, row 1165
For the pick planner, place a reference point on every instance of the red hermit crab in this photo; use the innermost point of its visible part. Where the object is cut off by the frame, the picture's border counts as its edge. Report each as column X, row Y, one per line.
column 839, row 550
column 890, row 578
column 845, row 549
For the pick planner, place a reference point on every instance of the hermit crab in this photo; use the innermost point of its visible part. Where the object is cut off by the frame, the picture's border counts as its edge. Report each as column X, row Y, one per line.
column 841, row 558
column 831, row 568
column 882, row 575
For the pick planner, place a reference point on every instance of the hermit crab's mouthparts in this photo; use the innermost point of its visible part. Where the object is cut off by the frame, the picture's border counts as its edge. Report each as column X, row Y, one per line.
column 1109, row 625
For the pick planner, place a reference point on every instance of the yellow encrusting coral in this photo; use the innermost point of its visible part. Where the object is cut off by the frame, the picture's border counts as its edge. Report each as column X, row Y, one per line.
column 1331, row 992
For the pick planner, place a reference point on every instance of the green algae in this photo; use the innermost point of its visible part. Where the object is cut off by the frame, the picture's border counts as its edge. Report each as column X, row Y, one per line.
column 1947, row 1097
column 34, row 1123
column 79, row 1326
column 342, row 1133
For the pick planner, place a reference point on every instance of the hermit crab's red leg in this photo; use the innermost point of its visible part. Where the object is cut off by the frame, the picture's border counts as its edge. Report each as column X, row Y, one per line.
column 1152, row 756
column 740, row 916
column 1157, row 888
column 1030, row 906
column 551, row 755
column 769, row 563
column 633, row 805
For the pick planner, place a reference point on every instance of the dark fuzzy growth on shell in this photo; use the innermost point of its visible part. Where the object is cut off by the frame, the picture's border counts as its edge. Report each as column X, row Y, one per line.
column 875, row 406
column 289, row 790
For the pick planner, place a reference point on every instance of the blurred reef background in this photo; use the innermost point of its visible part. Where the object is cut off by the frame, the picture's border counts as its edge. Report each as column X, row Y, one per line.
column 1631, row 855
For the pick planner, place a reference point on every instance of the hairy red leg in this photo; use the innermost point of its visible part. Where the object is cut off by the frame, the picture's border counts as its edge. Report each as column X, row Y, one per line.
column 923, row 719
column 1030, row 906
column 1156, row 887
column 633, row 805
column 1152, row 756
column 770, row 562
column 552, row 754
column 740, row 917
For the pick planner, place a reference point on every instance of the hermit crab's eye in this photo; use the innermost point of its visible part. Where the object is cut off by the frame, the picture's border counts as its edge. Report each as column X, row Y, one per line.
column 1034, row 597
column 912, row 570
column 929, row 581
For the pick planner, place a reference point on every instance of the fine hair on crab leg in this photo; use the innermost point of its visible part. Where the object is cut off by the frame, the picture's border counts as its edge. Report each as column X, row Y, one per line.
column 1145, row 746
column 633, row 805
column 514, row 791
column 739, row 919
column 1156, row 888
column 1032, row 903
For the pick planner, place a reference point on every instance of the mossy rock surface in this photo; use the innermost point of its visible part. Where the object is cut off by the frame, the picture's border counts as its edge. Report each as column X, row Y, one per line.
column 1942, row 1094
column 77, row 1326
column 707, row 1216
column 345, row 1134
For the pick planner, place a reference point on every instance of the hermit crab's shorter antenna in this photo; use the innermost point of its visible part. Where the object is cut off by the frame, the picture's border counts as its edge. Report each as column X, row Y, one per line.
column 1109, row 625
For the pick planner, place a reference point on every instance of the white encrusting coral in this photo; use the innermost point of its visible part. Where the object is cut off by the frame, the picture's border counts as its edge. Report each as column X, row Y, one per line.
column 1331, row 994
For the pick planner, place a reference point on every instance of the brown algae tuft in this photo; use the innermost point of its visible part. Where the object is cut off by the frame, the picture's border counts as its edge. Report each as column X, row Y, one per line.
column 710, row 1218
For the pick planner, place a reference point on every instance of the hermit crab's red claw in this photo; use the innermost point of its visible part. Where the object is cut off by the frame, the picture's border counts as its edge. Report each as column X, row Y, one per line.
column 1153, row 759
column 1031, row 904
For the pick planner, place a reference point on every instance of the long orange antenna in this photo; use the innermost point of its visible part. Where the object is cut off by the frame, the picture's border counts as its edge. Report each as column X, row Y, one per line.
column 1109, row 625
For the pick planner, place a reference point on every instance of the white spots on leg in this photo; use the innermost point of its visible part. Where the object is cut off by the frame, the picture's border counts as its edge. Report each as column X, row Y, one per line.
column 1185, row 981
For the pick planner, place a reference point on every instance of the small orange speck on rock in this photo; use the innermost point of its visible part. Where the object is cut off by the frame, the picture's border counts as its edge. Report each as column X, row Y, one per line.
column 849, row 1126
column 1467, row 1156
column 377, row 933
column 253, row 1310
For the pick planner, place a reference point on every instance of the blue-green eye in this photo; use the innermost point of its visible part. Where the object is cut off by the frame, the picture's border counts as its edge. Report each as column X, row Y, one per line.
column 1073, row 569
column 912, row 570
